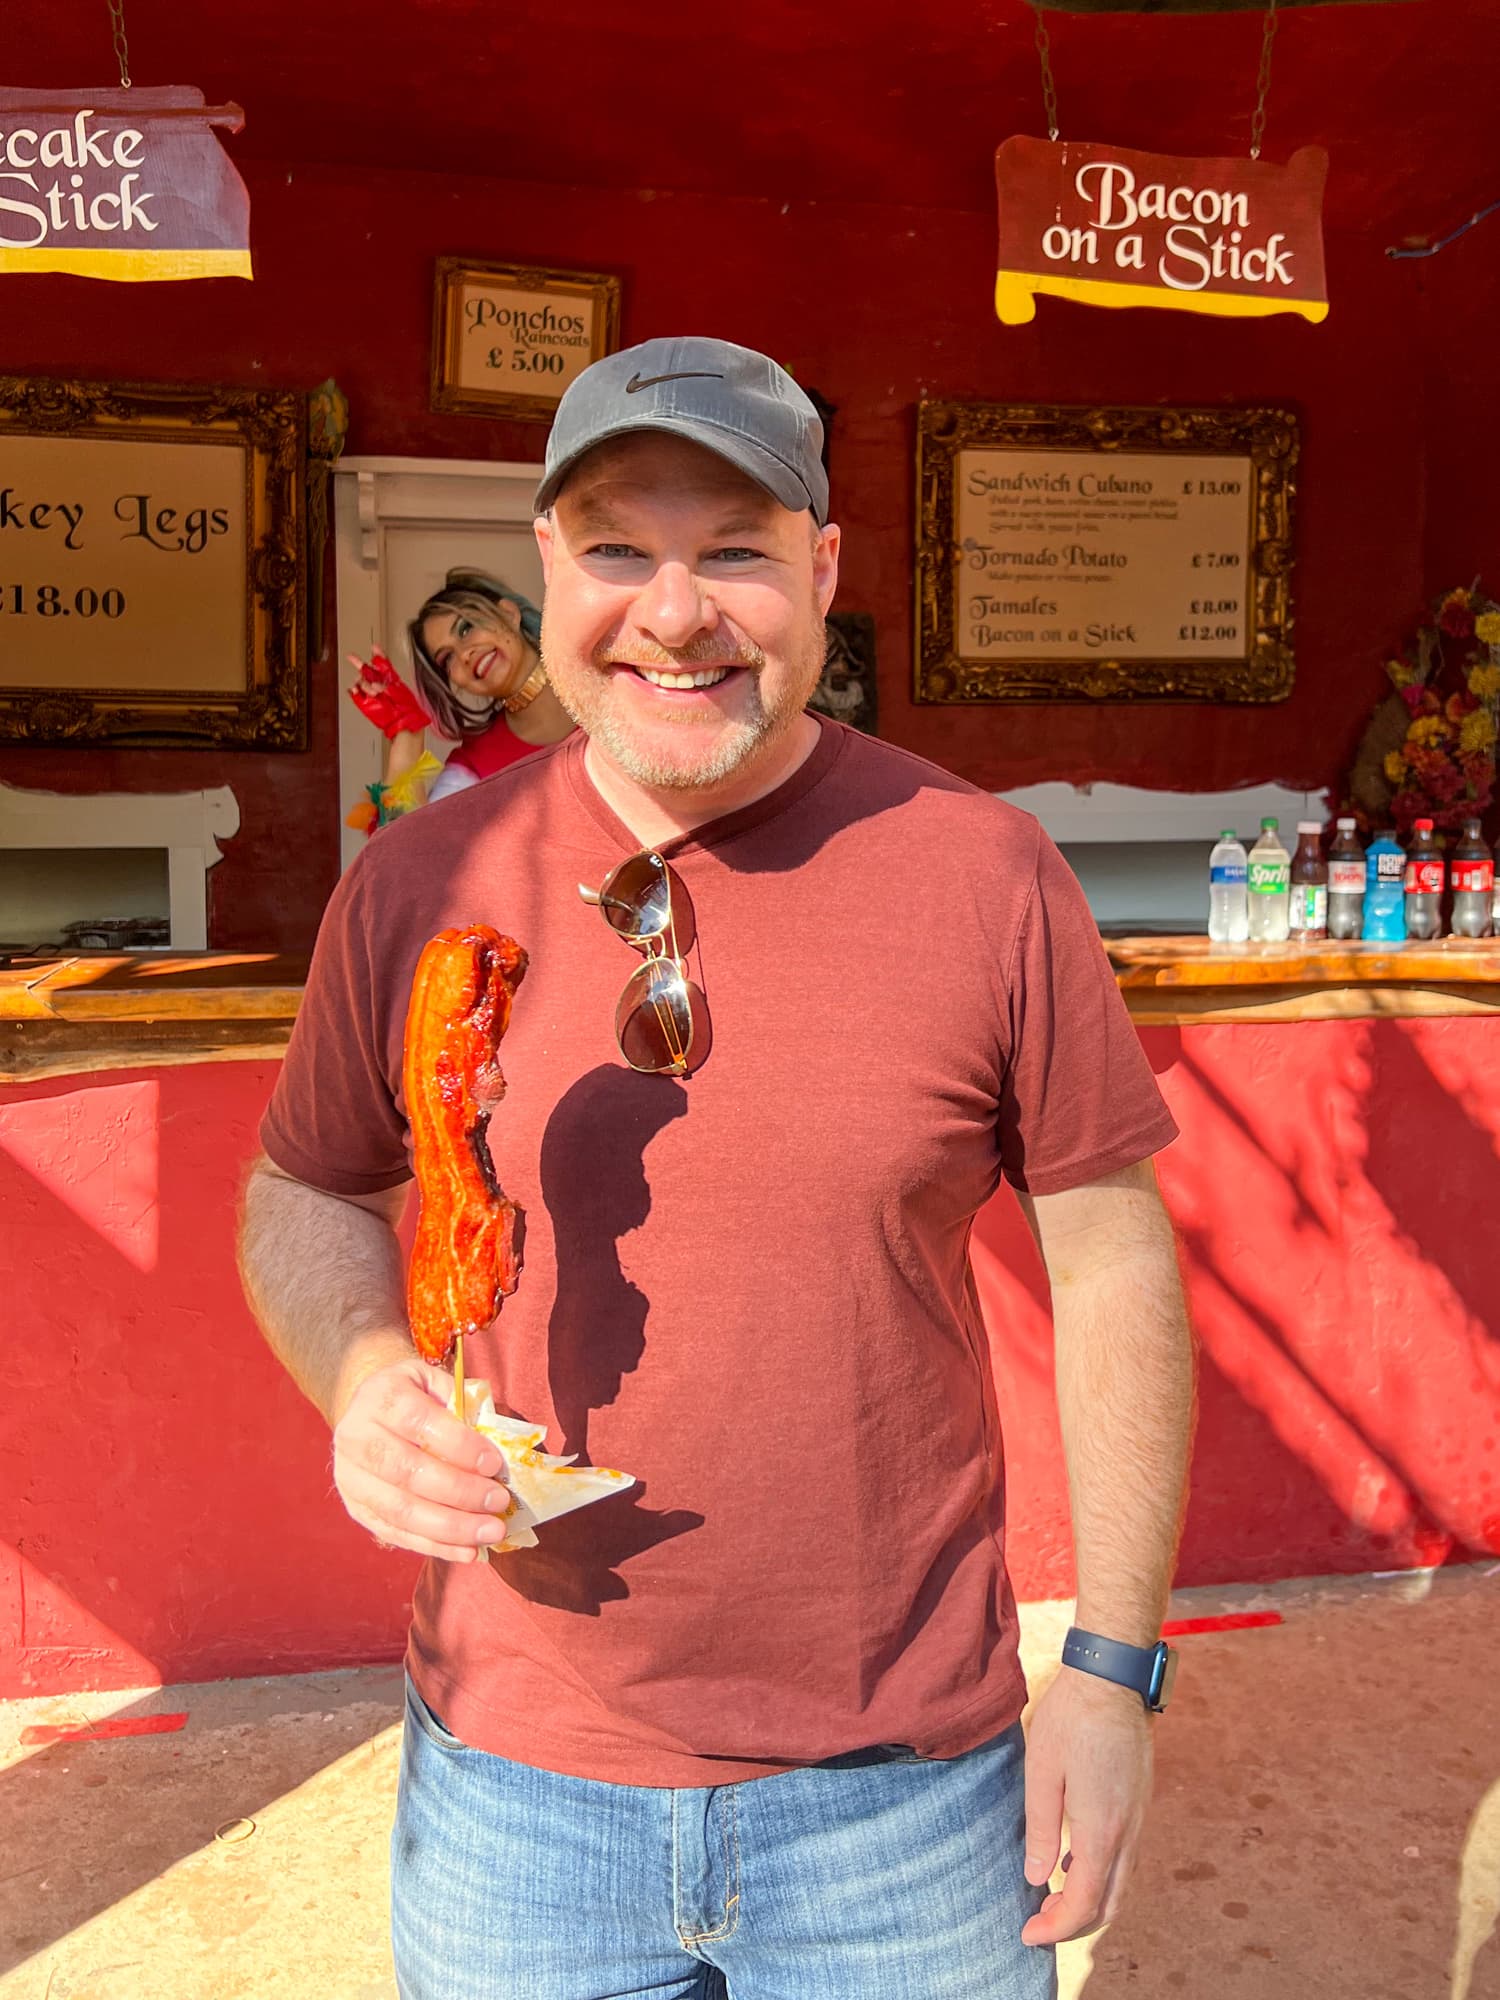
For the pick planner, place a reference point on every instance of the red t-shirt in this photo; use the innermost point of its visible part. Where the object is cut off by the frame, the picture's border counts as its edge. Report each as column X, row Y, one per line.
column 751, row 1289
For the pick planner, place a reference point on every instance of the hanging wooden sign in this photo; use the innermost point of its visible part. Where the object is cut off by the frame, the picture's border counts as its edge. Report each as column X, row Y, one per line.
column 124, row 184
column 1107, row 227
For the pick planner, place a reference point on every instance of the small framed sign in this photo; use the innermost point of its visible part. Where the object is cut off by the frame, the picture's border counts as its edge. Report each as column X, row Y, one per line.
column 1104, row 554
column 507, row 340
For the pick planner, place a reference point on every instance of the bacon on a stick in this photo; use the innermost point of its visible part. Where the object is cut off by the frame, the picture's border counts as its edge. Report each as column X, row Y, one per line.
column 465, row 1259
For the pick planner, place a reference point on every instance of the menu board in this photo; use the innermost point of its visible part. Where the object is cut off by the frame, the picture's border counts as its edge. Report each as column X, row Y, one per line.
column 153, row 564
column 1068, row 555
column 122, row 565
column 1104, row 553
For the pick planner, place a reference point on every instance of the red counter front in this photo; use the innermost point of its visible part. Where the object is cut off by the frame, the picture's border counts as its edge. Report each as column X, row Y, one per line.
column 168, row 1511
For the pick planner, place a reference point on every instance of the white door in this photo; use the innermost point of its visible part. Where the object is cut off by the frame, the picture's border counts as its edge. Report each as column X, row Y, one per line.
column 402, row 524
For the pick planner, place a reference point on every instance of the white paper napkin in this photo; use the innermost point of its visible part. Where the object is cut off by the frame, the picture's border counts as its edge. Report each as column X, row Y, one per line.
column 541, row 1485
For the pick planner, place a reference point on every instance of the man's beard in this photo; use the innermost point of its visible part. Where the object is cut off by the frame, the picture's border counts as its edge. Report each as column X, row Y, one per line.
column 589, row 699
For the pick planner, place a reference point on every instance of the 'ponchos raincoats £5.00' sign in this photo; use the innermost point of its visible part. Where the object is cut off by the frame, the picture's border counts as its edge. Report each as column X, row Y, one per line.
column 123, row 184
column 1235, row 238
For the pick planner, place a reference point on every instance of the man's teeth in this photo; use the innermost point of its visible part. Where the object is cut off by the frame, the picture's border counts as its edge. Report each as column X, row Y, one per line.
column 705, row 677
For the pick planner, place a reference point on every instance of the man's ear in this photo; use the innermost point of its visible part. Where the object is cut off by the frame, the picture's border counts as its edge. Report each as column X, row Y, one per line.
column 826, row 566
column 541, row 527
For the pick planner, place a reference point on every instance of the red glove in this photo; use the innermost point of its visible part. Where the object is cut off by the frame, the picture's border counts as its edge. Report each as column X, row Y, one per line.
column 382, row 697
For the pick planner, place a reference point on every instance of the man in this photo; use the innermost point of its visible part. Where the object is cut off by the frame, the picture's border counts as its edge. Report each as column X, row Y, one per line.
column 752, row 1727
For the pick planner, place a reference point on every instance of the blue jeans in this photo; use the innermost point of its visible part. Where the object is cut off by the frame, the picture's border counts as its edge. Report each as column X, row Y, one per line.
column 898, row 1880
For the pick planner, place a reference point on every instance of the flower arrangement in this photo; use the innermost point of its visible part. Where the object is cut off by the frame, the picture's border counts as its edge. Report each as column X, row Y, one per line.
column 1429, row 750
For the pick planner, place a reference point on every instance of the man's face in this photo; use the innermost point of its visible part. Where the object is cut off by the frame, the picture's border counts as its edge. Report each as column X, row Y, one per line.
column 683, row 622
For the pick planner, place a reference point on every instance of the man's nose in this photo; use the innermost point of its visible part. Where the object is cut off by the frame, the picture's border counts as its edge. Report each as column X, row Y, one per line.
column 674, row 607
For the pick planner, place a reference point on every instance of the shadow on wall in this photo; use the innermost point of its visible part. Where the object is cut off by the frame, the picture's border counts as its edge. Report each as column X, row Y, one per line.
column 1332, row 1191
column 165, row 1500
column 164, row 1489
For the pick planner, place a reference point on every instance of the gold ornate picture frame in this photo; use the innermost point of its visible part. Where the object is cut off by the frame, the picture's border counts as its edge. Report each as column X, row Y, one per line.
column 1104, row 554
column 507, row 339
column 153, row 565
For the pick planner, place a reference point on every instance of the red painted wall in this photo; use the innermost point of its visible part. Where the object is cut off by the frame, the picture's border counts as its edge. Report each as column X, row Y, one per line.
column 165, row 1504
column 875, row 307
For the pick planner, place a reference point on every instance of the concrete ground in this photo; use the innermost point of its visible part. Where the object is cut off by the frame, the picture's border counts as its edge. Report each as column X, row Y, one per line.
column 1327, row 1822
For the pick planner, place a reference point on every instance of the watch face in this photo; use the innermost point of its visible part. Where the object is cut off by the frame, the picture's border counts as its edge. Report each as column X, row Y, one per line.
column 1164, row 1677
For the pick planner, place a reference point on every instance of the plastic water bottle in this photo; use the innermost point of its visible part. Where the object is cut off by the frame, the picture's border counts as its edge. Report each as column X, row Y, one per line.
column 1424, row 883
column 1346, row 882
column 1473, row 884
column 1228, row 890
column 1385, row 890
column 1270, row 870
column 1308, row 903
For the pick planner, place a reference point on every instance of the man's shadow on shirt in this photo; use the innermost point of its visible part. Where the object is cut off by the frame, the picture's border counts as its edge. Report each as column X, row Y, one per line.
column 595, row 1191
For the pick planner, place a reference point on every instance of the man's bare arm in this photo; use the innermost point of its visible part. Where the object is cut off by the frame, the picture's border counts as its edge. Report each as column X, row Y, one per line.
column 1125, row 1391
column 322, row 1274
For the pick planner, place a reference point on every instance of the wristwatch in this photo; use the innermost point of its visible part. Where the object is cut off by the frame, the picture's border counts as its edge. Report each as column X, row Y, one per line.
column 1150, row 1670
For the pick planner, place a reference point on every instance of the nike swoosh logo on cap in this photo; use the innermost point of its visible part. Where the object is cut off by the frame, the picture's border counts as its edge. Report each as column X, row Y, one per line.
column 639, row 382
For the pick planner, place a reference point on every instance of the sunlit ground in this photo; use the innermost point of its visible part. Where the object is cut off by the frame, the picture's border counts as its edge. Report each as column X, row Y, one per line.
column 1327, row 1824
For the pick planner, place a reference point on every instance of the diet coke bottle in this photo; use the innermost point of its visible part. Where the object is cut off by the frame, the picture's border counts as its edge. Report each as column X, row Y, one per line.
column 1473, row 884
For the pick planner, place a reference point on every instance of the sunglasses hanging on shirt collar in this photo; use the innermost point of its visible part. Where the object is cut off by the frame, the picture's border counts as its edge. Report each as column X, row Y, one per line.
column 661, row 1018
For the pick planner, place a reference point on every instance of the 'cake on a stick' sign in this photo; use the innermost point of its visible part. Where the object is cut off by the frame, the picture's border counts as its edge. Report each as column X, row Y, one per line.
column 123, row 184
column 1107, row 227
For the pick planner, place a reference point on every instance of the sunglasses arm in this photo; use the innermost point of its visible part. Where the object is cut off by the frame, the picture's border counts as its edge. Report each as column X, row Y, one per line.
column 600, row 901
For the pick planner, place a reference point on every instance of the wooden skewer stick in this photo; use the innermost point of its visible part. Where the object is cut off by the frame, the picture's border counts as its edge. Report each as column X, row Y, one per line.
column 459, row 1398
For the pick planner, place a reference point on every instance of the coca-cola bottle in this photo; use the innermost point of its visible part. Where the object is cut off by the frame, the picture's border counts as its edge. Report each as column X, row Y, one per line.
column 1473, row 884
column 1424, row 883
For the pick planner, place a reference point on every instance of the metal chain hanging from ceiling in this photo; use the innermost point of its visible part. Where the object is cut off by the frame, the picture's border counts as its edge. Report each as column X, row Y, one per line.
column 122, row 52
column 1049, row 82
column 1263, row 83
column 1049, row 86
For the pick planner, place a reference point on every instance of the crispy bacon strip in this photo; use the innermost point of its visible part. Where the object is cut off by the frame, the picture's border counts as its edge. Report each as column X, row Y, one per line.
column 465, row 1258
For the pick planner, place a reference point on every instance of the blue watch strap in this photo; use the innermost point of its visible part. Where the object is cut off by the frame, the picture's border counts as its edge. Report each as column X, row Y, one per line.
column 1145, row 1669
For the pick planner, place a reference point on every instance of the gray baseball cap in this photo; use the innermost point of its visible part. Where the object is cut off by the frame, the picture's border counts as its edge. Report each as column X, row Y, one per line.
column 731, row 400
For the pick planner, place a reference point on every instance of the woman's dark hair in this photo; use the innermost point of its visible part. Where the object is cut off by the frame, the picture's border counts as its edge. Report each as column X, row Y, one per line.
column 479, row 594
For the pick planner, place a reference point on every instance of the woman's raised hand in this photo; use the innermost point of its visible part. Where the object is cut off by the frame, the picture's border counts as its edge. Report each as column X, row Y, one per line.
column 382, row 697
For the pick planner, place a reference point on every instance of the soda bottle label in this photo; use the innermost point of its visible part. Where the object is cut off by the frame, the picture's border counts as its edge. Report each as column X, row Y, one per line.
column 1309, row 911
column 1424, row 877
column 1346, row 878
column 1269, row 878
column 1227, row 874
column 1390, row 867
column 1473, row 878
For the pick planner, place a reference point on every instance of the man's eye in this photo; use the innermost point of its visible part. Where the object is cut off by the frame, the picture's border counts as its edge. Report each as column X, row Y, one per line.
column 613, row 549
column 735, row 555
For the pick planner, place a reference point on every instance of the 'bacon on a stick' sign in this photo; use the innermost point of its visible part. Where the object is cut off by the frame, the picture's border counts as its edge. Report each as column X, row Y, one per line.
column 1237, row 238
column 123, row 184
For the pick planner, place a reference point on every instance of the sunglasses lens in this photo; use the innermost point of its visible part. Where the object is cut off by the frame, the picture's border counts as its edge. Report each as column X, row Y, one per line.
column 655, row 1022
column 637, row 898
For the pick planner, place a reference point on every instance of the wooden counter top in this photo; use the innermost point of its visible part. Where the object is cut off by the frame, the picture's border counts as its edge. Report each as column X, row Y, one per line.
column 1175, row 980
column 61, row 1016
column 1193, row 961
